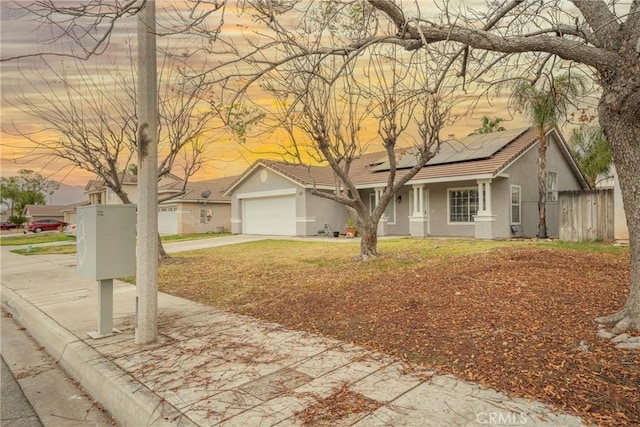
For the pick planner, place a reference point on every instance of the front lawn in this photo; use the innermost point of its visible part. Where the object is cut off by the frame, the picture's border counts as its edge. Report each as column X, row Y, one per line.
column 34, row 238
column 47, row 250
column 30, row 239
column 180, row 237
column 514, row 316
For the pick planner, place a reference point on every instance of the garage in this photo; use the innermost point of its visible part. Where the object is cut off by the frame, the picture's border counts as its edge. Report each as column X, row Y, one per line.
column 168, row 220
column 275, row 215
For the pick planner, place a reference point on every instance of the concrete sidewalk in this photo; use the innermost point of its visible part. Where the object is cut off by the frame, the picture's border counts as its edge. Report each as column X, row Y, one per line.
column 211, row 367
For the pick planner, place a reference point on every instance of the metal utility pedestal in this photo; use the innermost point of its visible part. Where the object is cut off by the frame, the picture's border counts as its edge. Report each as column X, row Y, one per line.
column 106, row 244
column 105, row 310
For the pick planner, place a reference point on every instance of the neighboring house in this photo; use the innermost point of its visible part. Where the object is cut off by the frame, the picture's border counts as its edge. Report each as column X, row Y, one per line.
column 69, row 212
column 36, row 212
column 202, row 209
column 483, row 186
column 191, row 212
column 99, row 194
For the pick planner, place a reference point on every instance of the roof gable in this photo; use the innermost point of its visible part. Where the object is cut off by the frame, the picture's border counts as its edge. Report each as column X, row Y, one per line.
column 44, row 210
column 211, row 190
column 303, row 175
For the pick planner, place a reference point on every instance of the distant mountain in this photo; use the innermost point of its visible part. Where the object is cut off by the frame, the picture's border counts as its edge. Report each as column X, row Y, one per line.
column 67, row 195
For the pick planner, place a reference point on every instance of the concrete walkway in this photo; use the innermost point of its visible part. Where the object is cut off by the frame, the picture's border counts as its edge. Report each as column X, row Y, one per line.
column 211, row 367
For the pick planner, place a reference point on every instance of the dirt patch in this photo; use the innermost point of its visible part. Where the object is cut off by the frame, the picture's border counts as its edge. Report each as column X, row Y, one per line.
column 517, row 319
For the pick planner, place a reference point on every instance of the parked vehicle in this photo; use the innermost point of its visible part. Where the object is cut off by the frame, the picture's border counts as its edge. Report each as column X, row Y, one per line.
column 6, row 225
column 45, row 225
column 71, row 230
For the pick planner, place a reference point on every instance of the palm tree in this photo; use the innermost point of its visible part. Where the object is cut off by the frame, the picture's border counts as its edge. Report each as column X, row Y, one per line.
column 591, row 150
column 545, row 105
column 489, row 126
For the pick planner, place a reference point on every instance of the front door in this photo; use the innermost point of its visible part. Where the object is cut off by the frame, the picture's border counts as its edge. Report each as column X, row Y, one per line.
column 419, row 206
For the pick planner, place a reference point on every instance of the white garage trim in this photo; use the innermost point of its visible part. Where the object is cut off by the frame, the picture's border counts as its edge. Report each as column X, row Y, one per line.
column 308, row 219
column 269, row 193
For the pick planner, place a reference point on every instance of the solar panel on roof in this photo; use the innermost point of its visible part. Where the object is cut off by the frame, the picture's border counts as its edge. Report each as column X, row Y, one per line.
column 473, row 147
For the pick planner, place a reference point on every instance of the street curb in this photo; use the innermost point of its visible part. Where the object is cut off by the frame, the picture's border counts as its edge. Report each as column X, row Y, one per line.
column 128, row 401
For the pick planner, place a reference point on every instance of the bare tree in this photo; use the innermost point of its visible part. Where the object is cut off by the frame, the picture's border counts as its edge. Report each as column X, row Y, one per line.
column 485, row 47
column 527, row 36
column 491, row 44
column 90, row 122
column 325, row 102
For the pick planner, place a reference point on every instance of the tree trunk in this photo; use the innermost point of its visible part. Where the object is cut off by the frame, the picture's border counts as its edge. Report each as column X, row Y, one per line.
column 542, row 185
column 162, row 254
column 621, row 125
column 369, row 240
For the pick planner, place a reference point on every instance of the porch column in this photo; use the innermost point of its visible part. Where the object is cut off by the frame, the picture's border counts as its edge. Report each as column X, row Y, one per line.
column 418, row 200
column 382, row 224
column 484, row 219
column 419, row 219
column 484, row 197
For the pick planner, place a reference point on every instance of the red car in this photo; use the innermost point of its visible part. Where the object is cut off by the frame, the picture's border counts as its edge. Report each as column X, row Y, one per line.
column 7, row 225
column 45, row 224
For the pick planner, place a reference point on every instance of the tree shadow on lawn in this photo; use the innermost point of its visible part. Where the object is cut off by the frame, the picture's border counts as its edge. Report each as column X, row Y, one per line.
column 517, row 319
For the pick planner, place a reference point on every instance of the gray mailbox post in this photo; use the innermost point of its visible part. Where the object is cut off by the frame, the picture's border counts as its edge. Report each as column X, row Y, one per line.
column 106, row 249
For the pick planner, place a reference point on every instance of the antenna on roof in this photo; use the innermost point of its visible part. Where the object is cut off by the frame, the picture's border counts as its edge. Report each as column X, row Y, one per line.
column 205, row 194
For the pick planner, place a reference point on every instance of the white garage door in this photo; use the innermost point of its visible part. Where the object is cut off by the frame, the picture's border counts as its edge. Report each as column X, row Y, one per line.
column 270, row 215
column 168, row 220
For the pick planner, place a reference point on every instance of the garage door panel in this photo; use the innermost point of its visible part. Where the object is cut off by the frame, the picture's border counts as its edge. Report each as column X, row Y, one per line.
column 270, row 215
column 168, row 222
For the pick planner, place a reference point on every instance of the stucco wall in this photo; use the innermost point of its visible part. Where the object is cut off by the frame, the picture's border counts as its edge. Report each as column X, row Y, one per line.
column 438, row 211
column 321, row 211
column 501, row 207
column 524, row 172
column 189, row 218
column 401, row 225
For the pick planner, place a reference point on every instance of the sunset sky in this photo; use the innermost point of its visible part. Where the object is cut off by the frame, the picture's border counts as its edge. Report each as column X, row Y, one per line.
column 20, row 34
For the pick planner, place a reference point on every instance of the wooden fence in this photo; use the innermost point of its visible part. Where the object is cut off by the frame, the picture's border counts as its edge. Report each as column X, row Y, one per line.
column 586, row 215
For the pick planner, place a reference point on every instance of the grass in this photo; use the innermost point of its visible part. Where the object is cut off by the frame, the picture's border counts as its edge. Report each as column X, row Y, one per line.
column 35, row 238
column 179, row 237
column 31, row 239
column 241, row 270
column 47, row 250
column 602, row 247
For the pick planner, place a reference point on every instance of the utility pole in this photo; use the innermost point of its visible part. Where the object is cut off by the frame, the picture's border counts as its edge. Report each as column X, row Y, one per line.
column 147, row 222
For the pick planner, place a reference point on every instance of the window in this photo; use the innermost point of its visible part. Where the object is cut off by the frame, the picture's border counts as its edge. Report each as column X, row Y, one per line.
column 515, row 204
column 389, row 212
column 463, row 204
column 552, row 187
